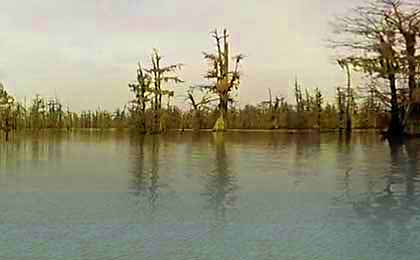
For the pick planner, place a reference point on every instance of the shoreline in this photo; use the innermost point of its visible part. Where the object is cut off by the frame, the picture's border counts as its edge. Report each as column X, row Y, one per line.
column 289, row 131
column 211, row 130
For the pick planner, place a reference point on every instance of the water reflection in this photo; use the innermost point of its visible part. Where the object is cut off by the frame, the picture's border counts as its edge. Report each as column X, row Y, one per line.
column 220, row 184
column 270, row 221
column 403, row 167
column 306, row 156
column 394, row 208
column 307, row 145
column 344, row 141
column 37, row 148
column 146, row 183
column 344, row 159
column 411, row 176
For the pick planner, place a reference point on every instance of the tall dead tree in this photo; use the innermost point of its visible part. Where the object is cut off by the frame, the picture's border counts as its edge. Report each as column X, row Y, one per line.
column 156, row 76
column 225, row 80
column 341, row 98
column 141, row 90
column 345, row 65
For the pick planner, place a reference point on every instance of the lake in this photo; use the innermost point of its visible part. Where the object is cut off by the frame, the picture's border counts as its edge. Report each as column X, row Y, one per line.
column 115, row 195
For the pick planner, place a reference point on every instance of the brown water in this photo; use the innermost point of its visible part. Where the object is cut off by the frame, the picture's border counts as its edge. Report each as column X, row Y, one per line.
column 112, row 195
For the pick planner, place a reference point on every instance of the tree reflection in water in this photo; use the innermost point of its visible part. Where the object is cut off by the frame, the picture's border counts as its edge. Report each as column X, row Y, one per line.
column 395, row 208
column 146, row 182
column 220, row 185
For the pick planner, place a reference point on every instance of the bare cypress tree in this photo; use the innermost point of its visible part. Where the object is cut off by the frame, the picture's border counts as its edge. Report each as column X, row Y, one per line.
column 225, row 79
column 161, row 74
column 300, row 106
column 318, row 106
column 141, row 90
column 345, row 65
column 149, row 88
column 371, row 45
column 341, row 101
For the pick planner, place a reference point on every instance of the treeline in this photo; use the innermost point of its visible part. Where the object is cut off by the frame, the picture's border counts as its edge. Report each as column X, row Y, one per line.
column 213, row 103
column 310, row 112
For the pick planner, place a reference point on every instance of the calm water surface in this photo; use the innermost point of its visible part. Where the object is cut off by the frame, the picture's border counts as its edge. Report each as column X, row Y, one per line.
column 111, row 195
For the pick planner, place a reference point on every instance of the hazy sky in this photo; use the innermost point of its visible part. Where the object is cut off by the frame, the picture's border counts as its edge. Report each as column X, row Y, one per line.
column 86, row 51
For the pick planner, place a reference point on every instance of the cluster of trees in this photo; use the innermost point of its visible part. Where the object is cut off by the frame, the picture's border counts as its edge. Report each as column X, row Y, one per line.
column 309, row 112
column 43, row 113
column 149, row 90
column 381, row 38
column 8, row 110
column 213, row 105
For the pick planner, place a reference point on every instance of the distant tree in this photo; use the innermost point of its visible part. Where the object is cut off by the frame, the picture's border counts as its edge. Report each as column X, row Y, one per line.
column 54, row 113
column 158, row 75
column 274, row 109
column 300, row 105
column 225, row 80
column 37, row 113
column 142, row 91
column 318, row 106
column 7, row 113
column 329, row 118
column 345, row 65
column 69, row 119
column 304, row 107
column 341, row 104
column 198, row 104
column 119, row 118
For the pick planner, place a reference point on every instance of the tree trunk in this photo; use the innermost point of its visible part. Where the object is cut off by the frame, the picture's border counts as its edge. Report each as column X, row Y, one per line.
column 156, row 121
column 220, row 125
column 143, row 112
column 395, row 128
column 7, row 129
column 348, row 113
column 340, row 110
column 411, row 60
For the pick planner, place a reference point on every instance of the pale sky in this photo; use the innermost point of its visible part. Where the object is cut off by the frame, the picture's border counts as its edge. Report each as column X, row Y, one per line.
column 86, row 51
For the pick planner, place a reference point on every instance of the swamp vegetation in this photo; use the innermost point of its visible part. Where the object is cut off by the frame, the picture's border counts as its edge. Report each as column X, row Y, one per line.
column 378, row 39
